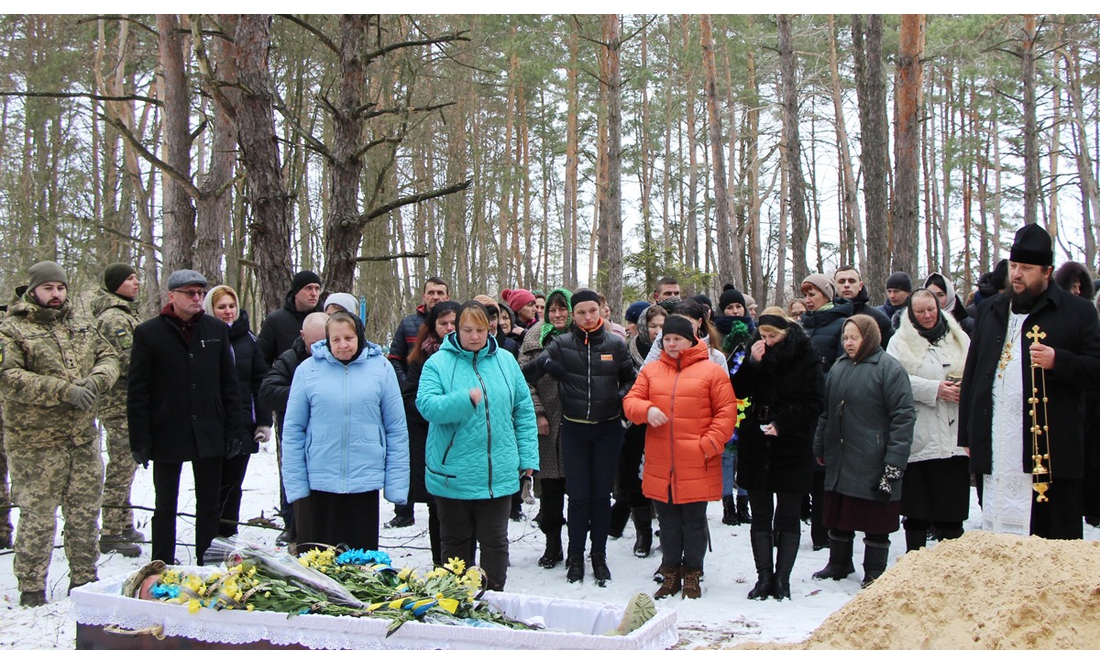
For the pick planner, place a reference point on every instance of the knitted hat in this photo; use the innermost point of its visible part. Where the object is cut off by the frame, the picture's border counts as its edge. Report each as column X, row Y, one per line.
column 999, row 277
column 517, row 299
column 821, row 283
column 345, row 300
column 635, row 310
column 115, row 274
column 185, row 278
column 1032, row 245
column 584, row 295
column 900, row 281
column 679, row 325
column 302, row 280
column 729, row 296
column 46, row 271
column 490, row 304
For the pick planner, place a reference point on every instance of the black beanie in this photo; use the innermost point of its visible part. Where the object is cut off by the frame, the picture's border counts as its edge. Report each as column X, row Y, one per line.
column 900, row 281
column 999, row 277
column 302, row 280
column 679, row 325
column 729, row 296
column 1032, row 245
column 115, row 274
column 584, row 295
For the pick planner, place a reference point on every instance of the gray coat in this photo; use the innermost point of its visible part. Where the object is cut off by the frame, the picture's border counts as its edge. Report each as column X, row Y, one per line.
column 868, row 423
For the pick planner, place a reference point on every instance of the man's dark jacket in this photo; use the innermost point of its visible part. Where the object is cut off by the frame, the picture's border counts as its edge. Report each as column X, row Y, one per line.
column 183, row 400
column 403, row 340
column 251, row 370
column 281, row 328
column 861, row 305
column 275, row 389
column 598, row 373
column 1073, row 331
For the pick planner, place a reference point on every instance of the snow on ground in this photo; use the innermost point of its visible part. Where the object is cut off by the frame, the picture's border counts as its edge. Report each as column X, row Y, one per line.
column 722, row 617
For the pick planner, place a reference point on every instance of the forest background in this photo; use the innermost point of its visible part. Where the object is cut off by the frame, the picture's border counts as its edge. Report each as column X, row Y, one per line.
column 497, row 151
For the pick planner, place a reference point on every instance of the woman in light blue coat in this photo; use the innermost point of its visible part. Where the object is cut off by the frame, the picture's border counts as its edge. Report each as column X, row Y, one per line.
column 344, row 439
column 482, row 437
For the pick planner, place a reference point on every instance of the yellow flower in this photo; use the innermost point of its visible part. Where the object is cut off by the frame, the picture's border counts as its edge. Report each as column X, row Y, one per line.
column 438, row 572
column 456, row 564
column 267, row 594
column 405, row 573
column 194, row 606
column 249, row 607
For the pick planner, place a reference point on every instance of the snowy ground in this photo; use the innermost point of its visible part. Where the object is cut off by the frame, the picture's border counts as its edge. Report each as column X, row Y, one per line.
column 722, row 617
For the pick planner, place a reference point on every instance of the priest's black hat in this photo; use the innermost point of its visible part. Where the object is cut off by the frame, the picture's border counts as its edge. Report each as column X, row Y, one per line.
column 1033, row 246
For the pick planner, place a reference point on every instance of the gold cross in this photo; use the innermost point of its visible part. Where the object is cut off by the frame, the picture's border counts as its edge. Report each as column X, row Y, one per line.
column 1035, row 335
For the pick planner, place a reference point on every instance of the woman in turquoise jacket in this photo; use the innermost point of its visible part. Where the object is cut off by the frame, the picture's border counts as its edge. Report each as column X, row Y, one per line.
column 344, row 438
column 482, row 437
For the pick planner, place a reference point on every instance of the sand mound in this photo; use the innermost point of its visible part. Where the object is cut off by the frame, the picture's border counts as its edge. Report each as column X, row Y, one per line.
column 982, row 591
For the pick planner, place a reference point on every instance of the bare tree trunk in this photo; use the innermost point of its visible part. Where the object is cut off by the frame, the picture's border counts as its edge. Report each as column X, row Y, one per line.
column 1090, row 193
column 874, row 154
column 850, row 191
column 572, row 140
column 752, row 186
column 179, row 210
column 800, row 225
column 1031, row 128
column 271, row 223
column 691, row 253
column 906, row 215
column 729, row 248
column 610, row 278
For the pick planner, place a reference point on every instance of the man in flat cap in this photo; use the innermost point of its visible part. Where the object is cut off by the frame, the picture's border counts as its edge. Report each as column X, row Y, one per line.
column 183, row 405
column 1032, row 329
column 116, row 317
column 54, row 366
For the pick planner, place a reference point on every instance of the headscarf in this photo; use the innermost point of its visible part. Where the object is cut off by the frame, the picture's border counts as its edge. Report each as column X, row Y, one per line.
column 939, row 329
column 868, row 328
column 547, row 330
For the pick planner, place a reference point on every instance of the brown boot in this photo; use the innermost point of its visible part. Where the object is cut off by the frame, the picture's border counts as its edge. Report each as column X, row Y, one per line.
column 671, row 584
column 691, row 582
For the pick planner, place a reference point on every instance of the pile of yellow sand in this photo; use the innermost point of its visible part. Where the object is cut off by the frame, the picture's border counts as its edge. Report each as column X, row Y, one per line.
column 982, row 591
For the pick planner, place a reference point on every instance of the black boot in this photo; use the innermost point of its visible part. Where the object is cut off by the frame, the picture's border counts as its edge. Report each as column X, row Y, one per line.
column 950, row 534
column 743, row 509
column 599, row 569
column 875, row 555
column 620, row 515
column 643, row 527
column 553, row 554
column 840, row 558
column 915, row 539
column 575, row 569
column 785, row 555
column 762, row 555
column 729, row 511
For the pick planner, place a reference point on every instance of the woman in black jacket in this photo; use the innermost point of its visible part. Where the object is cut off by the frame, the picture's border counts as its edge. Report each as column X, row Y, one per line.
column 221, row 302
column 437, row 324
column 782, row 379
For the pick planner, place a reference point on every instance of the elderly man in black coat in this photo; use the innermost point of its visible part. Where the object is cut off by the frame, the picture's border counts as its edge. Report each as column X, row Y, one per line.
column 183, row 405
column 995, row 422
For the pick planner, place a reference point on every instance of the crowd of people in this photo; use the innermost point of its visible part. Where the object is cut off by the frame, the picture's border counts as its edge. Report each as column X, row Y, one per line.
column 852, row 417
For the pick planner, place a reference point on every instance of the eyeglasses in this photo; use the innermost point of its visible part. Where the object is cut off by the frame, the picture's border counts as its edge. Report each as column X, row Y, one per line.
column 201, row 293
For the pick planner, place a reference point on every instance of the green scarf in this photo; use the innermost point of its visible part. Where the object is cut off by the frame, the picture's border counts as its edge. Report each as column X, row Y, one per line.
column 548, row 328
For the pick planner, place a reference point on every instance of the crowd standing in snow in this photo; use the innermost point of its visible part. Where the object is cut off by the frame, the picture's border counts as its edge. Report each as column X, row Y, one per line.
column 850, row 416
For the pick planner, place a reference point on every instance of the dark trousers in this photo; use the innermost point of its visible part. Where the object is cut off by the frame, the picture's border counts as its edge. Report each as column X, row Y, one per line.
column 552, row 504
column 166, row 483
column 780, row 516
column 819, row 533
column 233, row 472
column 683, row 533
column 433, row 534
column 590, row 453
column 405, row 510
column 325, row 518
column 628, row 485
column 484, row 521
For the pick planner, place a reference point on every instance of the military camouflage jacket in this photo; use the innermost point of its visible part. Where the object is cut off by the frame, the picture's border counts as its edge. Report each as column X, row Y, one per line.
column 43, row 352
column 116, row 319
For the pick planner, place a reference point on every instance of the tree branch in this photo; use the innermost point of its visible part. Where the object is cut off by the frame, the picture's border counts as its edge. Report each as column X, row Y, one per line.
column 153, row 159
column 82, row 95
column 386, row 208
column 311, row 142
column 390, row 257
column 363, row 113
column 316, row 32
column 459, row 37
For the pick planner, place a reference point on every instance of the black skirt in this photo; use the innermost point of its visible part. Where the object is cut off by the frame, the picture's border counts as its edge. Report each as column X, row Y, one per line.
column 323, row 518
column 849, row 513
column 937, row 490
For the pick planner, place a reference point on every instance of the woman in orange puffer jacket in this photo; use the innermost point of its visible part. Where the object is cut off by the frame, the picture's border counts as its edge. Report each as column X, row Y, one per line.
column 691, row 410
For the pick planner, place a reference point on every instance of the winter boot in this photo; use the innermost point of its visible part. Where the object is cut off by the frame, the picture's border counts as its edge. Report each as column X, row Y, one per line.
column 743, row 515
column 915, row 539
column 32, row 598
column 672, row 581
column 599, row 569
column 729, row 511
column 575, row 569
column 108, row 544
column 643, row 527
column 950, row 534
column 553, row 554
column 785, row 555
column 133, row 535
column 840, row 558
column 762, row 555
column 692, row 577
column 620, row 515
column 875, row 555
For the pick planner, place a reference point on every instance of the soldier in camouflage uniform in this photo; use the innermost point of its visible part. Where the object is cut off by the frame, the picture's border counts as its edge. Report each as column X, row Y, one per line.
column 54, row 364
column 116, row 318
column 5, row 495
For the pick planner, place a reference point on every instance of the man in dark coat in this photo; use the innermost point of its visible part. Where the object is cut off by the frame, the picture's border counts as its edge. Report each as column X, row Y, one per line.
column 850, row 289
column 998, row 371
column 183, row 405
column 282, row 326
column 898, row 288
column 435, row 291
